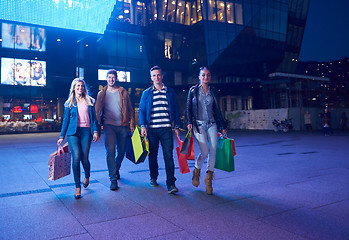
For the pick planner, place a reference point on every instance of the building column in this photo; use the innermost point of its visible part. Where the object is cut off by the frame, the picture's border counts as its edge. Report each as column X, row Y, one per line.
column 1, row 106
column 60, row 108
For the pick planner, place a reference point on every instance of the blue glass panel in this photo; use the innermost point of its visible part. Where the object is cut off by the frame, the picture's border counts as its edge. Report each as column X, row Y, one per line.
column 222, row 38
column 247, row 12
column 122, row 44
column 263, row 18
column 84, row 15
column 270, row 17
column 283, row 21
column 277, row 17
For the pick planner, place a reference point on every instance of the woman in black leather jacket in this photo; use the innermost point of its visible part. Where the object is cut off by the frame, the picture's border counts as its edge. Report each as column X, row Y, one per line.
column 205, row 119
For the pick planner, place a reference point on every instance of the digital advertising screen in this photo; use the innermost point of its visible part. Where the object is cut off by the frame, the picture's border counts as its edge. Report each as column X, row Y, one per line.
column 23, row 72
column 123, row 76
column 6, row 117
column 23, row 37
column 27, row 117
column 82, row 15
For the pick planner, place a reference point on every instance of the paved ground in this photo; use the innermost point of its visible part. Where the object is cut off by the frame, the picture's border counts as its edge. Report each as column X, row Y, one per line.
column 286, row 186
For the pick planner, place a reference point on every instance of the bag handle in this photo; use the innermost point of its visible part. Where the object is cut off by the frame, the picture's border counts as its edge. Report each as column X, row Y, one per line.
column 179, row 139
column 180, row 142
column 222, row 135
column 60, row 150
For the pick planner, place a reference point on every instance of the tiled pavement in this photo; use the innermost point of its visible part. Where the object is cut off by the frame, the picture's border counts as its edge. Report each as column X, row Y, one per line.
column 286, row 186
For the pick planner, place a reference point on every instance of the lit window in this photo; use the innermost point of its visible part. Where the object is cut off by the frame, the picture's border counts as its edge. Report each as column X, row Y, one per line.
column 230, row 15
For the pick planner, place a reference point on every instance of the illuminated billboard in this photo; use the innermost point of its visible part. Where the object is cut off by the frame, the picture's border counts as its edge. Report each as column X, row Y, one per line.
column 123, row 76
column 83, row 15
column 23, row 37
column 23, row 72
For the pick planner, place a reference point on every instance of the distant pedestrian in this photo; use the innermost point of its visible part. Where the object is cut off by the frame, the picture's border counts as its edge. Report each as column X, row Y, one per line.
column 307, row 121
column 80, row 127
column 205, row 118
column 158, row 110
column 343, row 121
column 115, row 113
column 326, row 122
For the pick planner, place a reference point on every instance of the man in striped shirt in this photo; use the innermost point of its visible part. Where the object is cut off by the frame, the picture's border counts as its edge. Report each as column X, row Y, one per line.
column 158, row 109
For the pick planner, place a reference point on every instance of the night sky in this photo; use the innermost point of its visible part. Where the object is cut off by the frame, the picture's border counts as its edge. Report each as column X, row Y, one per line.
column 326, row 35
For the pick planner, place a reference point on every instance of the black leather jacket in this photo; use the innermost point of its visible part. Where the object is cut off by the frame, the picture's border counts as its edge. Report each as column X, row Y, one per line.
column 192, row 108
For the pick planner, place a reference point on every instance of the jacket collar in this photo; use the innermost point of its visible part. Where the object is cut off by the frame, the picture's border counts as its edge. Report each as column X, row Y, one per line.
column 163, row 87
column 106, row 87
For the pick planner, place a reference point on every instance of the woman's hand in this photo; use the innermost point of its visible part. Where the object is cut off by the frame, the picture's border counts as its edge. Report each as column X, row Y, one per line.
column 224, row 132
column 95, row 137
column 190, row 126
column 176, row 132
column 59, row 142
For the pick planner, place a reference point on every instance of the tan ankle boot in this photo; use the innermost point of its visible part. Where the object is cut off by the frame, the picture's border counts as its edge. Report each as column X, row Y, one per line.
column 196, row 177
column 208, row 182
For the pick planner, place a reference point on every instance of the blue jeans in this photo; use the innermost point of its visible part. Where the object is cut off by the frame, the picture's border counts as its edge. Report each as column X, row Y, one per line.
column 164, row 136
column 79, row 145
column 207, row 139
column 114, row 136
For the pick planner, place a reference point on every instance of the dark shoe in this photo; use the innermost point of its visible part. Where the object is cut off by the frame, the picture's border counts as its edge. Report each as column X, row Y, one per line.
column 86, row 182
column 172, row 189
column 77, row 196
column 153, row 183
column 114, row 185
column 117, row 175
column 77, row 193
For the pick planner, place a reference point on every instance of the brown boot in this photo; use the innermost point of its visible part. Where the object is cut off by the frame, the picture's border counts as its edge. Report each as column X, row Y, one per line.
column 208, row 182
column 196, row 177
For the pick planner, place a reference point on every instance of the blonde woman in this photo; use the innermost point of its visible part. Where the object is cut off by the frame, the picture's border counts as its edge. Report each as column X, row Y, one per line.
column 80, row 127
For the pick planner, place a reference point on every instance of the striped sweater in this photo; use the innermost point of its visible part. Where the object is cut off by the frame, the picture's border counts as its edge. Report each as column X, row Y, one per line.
column 160, row 114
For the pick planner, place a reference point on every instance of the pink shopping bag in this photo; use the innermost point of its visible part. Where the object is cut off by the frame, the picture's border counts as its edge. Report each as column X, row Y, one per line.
column 59, row 163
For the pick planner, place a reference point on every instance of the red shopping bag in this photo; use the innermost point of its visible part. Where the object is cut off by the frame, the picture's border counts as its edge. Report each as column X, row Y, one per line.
column 232, row 142
column 59, row 163
column 188, row 146
column 182, row 158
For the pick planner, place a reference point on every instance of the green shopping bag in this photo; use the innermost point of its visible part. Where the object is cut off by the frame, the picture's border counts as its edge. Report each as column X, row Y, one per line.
column 140, row 146
column 225, row 155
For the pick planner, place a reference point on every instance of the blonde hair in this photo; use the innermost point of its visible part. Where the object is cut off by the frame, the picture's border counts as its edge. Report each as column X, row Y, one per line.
column 71, row 98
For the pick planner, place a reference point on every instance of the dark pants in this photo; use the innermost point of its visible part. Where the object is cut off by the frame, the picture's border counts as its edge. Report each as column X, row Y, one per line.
column 114, row 136
column 327, row 130
column 79, row 145
column 308, row 127
column 164, row 136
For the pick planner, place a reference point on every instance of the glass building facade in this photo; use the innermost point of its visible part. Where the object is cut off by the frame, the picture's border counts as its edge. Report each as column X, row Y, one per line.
column 241, row 41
